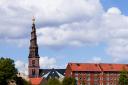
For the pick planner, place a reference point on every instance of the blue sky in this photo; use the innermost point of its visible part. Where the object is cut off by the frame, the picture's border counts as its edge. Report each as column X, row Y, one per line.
column 94, row 31
column 121, row 4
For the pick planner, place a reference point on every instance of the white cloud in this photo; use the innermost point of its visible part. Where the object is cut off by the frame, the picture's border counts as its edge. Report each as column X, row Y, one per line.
column 95, row 60
column 65, row 23
column 112, row 28
column 118, row 49
column 114, row 31
column 114, row 10
column 22, row 67
column 20, row 42
column 16, row 17
column 47, row 62
column 77, row 33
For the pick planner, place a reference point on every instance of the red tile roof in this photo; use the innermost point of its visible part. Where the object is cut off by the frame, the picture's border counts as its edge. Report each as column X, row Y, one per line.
column 97, row 67
column 84, row 67
column 36, row 81
column 114, row 67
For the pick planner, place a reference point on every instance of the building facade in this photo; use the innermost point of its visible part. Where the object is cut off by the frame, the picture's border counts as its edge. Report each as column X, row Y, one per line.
column 95, row 74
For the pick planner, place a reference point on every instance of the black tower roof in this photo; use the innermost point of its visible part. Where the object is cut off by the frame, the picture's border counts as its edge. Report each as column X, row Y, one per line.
column 52, row 73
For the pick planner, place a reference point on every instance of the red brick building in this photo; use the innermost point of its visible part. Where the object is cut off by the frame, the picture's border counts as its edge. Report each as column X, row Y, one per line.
column 95, row 74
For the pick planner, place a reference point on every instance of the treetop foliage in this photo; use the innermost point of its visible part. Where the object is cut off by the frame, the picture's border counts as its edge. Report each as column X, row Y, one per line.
column 123, row 79
column 69, row 81
column 7, row 70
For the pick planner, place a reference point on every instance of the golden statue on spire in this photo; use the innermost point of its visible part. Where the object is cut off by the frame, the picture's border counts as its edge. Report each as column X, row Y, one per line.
column 33, row 20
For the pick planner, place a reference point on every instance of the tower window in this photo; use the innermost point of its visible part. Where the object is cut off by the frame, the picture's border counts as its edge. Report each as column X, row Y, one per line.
column 33, row 72
column 33, row 62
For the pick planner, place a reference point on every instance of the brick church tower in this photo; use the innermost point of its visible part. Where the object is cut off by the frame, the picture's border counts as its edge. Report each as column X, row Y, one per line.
column 33, row 57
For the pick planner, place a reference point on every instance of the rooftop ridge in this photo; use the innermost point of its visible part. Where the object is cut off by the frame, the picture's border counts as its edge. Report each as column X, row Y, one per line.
column 98, row 63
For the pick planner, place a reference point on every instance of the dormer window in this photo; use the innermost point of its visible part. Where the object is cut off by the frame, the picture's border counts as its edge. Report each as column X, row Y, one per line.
column 78, row 64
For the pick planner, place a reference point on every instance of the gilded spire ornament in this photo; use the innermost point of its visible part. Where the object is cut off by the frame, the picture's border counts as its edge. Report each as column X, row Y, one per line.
column 33, row 20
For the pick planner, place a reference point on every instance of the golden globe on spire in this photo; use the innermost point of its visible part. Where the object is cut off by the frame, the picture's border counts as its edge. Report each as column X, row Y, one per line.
column 33, row 20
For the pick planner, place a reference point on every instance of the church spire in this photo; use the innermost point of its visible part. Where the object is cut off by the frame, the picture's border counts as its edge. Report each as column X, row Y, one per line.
column 33, row 54
column 33, row 42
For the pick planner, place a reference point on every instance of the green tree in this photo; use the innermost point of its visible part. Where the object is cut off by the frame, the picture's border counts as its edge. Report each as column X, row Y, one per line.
column 69, row 81
column 7, row 70
column 53, row 81
column 123, row 79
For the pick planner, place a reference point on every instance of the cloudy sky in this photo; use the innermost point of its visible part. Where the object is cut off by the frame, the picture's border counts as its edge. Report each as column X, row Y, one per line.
column 68, row 31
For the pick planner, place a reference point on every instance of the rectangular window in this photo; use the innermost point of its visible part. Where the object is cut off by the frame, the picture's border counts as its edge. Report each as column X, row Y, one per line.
column 88, row 77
